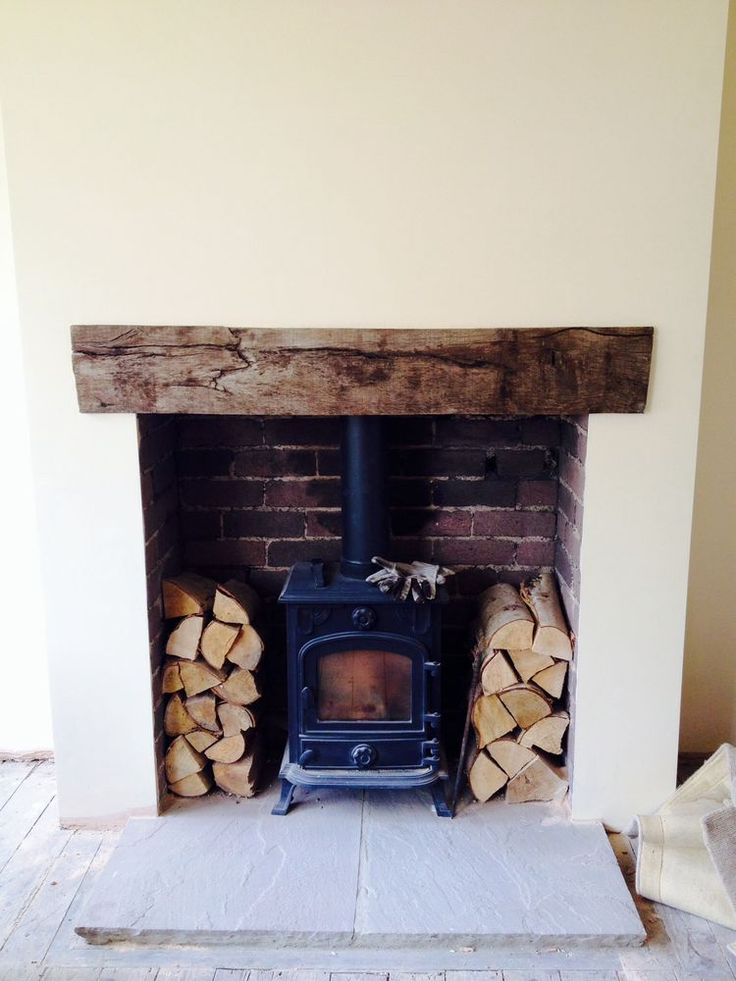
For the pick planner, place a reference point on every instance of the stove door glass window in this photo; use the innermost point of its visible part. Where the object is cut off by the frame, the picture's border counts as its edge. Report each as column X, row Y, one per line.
column 364, row 686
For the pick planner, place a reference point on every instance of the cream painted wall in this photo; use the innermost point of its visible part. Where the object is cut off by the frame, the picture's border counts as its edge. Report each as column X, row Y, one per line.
column 412, row 163
column 709, row 688
column 25, row 721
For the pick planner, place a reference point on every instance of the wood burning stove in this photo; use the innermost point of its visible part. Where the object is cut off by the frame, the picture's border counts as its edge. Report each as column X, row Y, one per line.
column 363, row 666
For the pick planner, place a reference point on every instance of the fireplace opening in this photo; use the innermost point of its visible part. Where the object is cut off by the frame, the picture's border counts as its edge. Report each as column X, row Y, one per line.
column 496, row 499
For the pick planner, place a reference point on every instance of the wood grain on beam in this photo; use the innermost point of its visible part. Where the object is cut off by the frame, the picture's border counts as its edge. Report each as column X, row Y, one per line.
column 270, row 371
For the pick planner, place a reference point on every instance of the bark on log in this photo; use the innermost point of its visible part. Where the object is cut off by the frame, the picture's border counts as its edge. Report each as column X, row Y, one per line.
column 551, row 635
column 184, row 639
column 496, row 673
column 506, row 621
column 217, row 639
column 266, row 371
column 187, row 594
column 235, row 602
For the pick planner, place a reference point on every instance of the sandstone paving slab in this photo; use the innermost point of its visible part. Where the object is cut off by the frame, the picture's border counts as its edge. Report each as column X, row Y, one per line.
column 496, row 873
column 223, row 870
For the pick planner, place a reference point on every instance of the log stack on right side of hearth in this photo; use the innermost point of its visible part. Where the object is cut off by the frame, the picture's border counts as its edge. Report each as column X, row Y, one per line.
column 517, row 707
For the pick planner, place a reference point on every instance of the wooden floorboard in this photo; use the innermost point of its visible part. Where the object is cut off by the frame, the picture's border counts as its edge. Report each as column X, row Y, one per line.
column 12, row 775
column 47, row 873
column 37, row 927
column 23, row 808
column 28, row 867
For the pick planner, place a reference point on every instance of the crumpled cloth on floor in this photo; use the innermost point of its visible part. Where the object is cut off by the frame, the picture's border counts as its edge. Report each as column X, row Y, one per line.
column 687, row 850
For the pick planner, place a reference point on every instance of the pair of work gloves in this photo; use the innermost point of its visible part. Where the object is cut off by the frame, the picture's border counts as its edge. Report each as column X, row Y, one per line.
column 401, row 579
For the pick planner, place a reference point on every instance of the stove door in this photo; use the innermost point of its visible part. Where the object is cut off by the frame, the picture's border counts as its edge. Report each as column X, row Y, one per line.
column 363, row 700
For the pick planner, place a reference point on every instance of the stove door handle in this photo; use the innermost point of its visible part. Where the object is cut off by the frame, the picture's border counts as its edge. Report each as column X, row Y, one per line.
column 307, row 699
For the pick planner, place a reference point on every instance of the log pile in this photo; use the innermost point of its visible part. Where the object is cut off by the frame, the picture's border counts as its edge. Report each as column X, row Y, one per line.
column 211, row 682
column 516, row 713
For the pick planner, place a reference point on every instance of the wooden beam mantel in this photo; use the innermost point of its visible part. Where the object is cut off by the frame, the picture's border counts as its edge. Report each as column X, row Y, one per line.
column 271, row 371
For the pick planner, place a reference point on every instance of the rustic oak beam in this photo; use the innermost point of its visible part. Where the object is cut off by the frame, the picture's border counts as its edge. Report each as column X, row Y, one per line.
column 271, row 371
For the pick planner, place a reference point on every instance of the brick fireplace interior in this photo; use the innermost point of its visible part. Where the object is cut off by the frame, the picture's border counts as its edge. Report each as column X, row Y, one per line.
column 245, row 496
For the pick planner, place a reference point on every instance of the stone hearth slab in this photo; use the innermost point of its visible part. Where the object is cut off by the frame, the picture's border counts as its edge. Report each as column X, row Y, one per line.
column 351, row 870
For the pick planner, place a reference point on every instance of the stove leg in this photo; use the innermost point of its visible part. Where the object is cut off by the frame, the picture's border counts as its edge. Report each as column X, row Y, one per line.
column 283, row 804
column 440, row 801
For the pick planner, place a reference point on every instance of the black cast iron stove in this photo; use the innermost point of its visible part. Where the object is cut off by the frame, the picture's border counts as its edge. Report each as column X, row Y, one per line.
column 363, row 667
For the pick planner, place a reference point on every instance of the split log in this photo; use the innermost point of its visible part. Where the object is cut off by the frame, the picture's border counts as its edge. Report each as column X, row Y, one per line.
column 525, row 704
column 506, row 621
column 484, row 777
column 241, row 687
column 235, row 602
column 510, row 755
column 536, row 781
column 547, row 734
column 201, row 740
column 239, row 778
column 184, row 638
column 171, row 679
column 247, row 650
column 177, row 721
column 198, row 677
column 496, row 674
column 217, row 639
column 195, row 785
column 235, row 718
column 527, row 663
column 551, row 635
column 552, row 679
column 203, row 709
column 182, row 760
column 187, row 594
column 227, row 750
column 490, row 719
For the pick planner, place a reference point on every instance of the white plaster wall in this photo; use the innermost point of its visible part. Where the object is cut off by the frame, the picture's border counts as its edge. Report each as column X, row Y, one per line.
column 387, row 164
column 25, row 712
column 709, row 688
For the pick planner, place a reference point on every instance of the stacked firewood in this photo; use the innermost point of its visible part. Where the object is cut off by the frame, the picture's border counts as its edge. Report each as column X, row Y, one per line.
column 525, row 649
column 210, row 681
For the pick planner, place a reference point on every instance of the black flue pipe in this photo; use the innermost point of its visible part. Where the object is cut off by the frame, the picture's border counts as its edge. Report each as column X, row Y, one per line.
column 365, row 516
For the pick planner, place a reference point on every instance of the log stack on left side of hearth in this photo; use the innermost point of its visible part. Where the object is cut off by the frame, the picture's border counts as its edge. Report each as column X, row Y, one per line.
column 211, row 682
